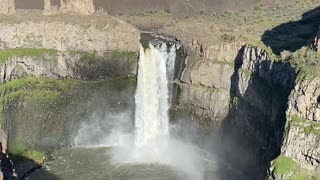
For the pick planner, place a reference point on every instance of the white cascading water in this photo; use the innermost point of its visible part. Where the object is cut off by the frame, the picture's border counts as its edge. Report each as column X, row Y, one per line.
column 152, row 142
column 156, row 66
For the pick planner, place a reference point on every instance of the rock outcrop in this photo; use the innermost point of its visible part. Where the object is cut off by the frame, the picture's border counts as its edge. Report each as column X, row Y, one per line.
column 206, row 84
column 7, row 7
column 78, row 6
column 82, row 7
column 304, row 100
column 303, row 146
column 83, row 66
column 204, row 93
column 50, row 8
column 316, row 43
column 219, row 52
column 115, row 35
column 245, row 93
column 303, row 126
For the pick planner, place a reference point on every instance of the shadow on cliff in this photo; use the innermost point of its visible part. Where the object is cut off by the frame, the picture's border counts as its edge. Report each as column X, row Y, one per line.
column 252, row 133
column 293, row 35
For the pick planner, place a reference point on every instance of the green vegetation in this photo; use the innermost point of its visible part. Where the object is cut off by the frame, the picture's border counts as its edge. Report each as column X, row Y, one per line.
column 124, row 54
column 38, row 109
column 22, row 52
column 43, row 83
column 94, row 56
column 39, row 90
column 307, row 126
column 47, row 96
column 19, row 151
column 283, row 165
column 246, row 72
column 287, row 168
column 306, row 63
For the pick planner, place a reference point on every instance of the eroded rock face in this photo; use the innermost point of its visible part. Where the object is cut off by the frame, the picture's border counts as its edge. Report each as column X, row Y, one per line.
column 303, row 147
column 246, row 96
column 207, row 81
column 7, row 7
column 115, row 35
column 78, row 6
column 49, row 8
column 66, row 65
column 303, row 126
column 219, row 52
column 82, row 7
column 205, row 89
column 304, row 101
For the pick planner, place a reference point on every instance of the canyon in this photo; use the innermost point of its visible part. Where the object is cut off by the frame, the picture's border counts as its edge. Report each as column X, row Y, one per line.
column 257, row 104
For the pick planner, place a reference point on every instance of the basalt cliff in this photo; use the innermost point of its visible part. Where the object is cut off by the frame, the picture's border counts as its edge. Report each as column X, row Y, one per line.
column 262, row 100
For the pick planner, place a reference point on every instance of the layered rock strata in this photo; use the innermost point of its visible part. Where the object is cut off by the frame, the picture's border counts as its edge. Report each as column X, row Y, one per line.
column 115, row 35
column 303, row 126
column 244, row 92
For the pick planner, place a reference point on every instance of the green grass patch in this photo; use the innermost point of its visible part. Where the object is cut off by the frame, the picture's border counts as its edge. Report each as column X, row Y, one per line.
column 283, row 165
column 306, row 63
column 35, row 90
column 297, row 120
column 307, row 125
column 38, row 156
column 24, row 52
column 288, row 169
column 19, row 151
column 124, row 54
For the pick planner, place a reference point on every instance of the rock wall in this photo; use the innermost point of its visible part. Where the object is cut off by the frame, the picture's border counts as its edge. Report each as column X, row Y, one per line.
column 7, row 7
column 303, row 126
column 205, row 81
column 50, row 8
column 303, row 147
column 82, row 7
column 221, row 52
column 256, row 100
column 304, row 100
column 242, row 91
column 70, row 65
column 301, row 141
column 259, row 91
column 205, row 89
column 115, row 35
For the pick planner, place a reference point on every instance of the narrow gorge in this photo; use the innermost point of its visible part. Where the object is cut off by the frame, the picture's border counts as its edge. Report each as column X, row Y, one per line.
column 91, row 92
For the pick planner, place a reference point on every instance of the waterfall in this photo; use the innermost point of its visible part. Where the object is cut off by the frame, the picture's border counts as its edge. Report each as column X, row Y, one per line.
column 152, row 142
column 152, row 98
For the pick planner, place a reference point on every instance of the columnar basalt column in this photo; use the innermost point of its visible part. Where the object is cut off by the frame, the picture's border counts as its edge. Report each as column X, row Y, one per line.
column 50, row 8
column 7, row 7
column 83, row 7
